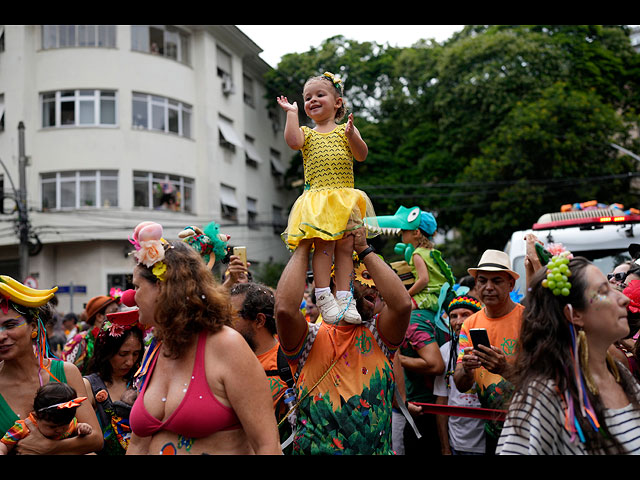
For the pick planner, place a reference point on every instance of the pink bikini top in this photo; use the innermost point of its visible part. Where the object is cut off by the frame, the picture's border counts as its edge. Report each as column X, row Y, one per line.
column 200, row 413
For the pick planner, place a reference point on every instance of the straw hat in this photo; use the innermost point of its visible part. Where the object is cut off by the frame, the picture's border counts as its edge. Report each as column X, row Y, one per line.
column 494, row 261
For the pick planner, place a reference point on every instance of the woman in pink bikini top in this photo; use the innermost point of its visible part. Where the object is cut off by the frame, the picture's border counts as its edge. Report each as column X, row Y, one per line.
column 201, row 388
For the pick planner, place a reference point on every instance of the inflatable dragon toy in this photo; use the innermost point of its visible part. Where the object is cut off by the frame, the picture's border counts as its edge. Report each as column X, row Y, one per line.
column 404, row 219
column 208, row 242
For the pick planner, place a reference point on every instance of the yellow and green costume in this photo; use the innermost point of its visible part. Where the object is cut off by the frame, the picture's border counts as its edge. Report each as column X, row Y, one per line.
column 330, row 206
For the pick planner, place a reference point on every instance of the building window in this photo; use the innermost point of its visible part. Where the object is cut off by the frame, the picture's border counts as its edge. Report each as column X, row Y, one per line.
column 228, row 203
column 163, row 40
column 252, row 213
column 251, row 153
column 59, row 36
column 1, row 112
column 277, row 168
column 151, row 112
column 225, row 72
column 79, row 189
column 249, row 95
column 228, row 137
column 279, row 220
column 161, row 191
column 1, row 38
column 75, row 108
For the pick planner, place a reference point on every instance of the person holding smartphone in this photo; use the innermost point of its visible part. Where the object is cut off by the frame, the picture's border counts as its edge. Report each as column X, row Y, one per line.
column 491, row 368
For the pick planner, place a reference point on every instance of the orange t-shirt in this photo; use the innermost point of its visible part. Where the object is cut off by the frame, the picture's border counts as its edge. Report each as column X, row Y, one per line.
column 503, row 333
column 269, row 361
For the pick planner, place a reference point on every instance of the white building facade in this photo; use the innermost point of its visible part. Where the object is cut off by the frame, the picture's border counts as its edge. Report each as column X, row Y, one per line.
column 127, row 123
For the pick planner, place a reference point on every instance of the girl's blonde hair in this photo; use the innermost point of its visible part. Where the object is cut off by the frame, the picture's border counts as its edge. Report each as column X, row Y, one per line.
column 337, row 89
column 424, row 241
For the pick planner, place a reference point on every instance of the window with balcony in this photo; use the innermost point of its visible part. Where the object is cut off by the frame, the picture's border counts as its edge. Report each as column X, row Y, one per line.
column 79, row 189
column 79, row 108
column 60, row 36
column 161, row 191
column 151, row 112
column 163, row 40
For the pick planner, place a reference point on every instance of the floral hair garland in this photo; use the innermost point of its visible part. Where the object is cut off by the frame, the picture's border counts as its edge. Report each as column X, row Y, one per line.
column 118, row 323
column 150, row 247
column 335, row 80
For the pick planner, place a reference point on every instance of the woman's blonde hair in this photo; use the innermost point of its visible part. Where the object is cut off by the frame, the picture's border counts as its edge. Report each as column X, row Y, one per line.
column 189, row 301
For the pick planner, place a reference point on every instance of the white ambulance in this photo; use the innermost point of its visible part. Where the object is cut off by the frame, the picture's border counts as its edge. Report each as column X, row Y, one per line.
column 601, row 234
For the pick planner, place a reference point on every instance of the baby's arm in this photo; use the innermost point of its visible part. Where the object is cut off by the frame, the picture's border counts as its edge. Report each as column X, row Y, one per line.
column 84, row 429
column 358, row 146
column 292, row 133
column 4, row 449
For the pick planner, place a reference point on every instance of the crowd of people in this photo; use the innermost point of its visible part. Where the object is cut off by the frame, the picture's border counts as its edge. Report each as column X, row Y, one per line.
column 353, row 357
column 258, row 370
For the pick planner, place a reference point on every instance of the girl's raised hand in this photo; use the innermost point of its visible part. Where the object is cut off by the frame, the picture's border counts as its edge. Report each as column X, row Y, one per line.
column 349, row 127
column 286, row 106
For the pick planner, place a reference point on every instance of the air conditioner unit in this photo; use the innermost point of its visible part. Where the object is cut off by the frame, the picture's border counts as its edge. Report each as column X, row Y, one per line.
column 227, row 85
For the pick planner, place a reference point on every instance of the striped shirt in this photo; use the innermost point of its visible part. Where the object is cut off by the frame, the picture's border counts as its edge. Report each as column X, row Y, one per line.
column 543, row 431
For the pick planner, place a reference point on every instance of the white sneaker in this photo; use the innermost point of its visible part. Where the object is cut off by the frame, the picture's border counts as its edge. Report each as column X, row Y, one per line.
column 348, row 306
column 328, row 307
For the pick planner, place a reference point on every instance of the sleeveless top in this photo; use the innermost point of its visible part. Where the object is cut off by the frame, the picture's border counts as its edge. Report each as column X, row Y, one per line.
column 199, row 415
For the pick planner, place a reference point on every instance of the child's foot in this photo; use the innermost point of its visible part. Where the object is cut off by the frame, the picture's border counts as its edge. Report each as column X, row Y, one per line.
column 328, row 307
column 348, row 309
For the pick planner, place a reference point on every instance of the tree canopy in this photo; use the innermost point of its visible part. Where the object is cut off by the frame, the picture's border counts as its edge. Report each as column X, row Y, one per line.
column 490, row 129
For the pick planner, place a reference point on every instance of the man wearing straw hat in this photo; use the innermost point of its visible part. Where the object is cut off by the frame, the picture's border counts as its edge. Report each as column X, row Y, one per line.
column 491, row 369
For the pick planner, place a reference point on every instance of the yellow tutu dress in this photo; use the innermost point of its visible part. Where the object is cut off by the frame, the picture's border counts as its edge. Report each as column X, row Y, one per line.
column 329, row 207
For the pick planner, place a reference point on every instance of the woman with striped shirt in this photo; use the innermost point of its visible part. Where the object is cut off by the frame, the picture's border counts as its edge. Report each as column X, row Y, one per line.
column 571, row 397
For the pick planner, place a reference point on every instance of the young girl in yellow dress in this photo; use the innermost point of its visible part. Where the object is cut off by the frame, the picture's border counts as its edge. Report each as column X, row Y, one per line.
column 330, row 206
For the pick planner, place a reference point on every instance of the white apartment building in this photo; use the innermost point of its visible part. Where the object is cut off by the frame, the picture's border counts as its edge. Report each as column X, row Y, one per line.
column 127, row 123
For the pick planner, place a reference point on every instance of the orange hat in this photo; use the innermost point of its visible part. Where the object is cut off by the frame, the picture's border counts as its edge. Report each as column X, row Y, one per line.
column 96, row 305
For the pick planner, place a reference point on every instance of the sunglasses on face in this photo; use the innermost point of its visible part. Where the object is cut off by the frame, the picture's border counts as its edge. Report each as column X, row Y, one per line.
column 621, row 276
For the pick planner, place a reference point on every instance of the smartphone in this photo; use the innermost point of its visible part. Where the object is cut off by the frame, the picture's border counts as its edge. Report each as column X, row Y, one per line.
column 479, row 337
column 241, row 252
column 543, row 254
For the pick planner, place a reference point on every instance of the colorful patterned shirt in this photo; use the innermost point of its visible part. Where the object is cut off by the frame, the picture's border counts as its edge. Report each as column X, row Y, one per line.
column 19, row 430
column 349, row 410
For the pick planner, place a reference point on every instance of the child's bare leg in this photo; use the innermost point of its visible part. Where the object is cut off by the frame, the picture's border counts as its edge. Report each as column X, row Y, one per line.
column 343, row 275
column 321, row 264
column 344, row 263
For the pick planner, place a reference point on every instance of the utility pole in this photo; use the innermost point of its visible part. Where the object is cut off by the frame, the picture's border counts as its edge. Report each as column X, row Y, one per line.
column 23, row 221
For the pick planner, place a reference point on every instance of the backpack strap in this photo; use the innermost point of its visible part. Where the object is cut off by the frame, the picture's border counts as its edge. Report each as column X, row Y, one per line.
column 283, row 371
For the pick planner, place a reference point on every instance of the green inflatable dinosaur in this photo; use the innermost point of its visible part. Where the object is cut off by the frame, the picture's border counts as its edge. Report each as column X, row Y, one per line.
column 412, row 218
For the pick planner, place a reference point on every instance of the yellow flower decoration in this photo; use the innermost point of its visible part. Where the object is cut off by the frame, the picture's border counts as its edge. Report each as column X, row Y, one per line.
column 334, row 79
column 362, row 275
column 159, row 269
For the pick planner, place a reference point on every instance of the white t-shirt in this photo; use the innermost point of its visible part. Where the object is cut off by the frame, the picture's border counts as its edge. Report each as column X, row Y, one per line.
column 465, row 434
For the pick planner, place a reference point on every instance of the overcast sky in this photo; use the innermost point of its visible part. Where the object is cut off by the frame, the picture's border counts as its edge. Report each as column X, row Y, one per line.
column 278, row 40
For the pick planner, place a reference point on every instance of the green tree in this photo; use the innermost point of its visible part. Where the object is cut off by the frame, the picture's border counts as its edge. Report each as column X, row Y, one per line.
column 490, row 129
